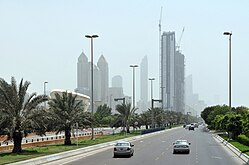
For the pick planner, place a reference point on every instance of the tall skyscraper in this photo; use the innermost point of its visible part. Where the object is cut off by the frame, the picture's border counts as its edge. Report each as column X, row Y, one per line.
column 143, row 103
column 83, row 75
column 117, row 81
column 104, row 79
column 193, row 103
column 179, row 100
column 100, row 79
column 172, row 74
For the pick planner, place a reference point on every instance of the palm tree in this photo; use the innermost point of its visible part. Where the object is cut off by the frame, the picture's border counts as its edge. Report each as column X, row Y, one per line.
column 19, row 115
column 125, row 115
column 65, row 111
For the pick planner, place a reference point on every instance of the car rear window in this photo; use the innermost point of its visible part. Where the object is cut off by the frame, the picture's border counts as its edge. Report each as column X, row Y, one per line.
column 122, row 144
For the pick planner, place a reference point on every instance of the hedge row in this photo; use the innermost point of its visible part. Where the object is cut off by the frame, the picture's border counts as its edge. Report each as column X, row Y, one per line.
column 151, row 130
column 243, row 139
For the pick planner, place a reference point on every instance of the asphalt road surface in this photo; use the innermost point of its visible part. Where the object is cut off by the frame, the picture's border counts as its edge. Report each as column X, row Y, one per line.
column 157, row 150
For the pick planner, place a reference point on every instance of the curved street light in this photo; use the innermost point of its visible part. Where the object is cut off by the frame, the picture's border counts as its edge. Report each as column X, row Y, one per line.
column 133, row 66
column 230, row 67
column 92, row 37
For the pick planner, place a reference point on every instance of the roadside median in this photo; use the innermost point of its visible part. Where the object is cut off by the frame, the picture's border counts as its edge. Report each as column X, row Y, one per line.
column 235, row 150
column 66, row 154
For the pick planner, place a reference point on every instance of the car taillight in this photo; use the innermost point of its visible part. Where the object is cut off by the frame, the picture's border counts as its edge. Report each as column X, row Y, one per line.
column 115, row 149
column 128, row 149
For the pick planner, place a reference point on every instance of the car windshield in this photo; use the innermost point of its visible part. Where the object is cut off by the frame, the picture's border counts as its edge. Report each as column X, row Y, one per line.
column 180, row 141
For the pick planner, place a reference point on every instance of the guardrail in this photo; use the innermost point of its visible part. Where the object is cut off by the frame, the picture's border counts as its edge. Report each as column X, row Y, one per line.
column 235, row 150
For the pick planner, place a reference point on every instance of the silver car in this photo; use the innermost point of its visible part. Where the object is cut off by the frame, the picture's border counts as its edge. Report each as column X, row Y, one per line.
column 123, row 148
column 181, row 146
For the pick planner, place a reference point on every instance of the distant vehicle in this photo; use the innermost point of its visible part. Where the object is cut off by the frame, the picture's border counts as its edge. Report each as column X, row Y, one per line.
column 181, row 146
column 187, row 126
column 191, row 128
column 195, row 125
column 123, row 148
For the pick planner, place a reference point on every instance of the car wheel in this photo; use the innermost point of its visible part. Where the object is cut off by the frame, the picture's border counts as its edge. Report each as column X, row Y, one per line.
column 114, row 156
column 174, row 152
column 187, row 152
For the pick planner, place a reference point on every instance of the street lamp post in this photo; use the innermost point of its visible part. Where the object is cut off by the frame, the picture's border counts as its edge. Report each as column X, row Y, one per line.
column 44, row 86
column 162, row 96
column 133, row 66
column 151, row 84
column 92, row 37
column 230, row 67
column 123, row 98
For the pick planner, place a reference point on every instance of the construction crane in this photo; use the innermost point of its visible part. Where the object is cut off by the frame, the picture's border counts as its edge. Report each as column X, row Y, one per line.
column 179, row 40
column 160, row 22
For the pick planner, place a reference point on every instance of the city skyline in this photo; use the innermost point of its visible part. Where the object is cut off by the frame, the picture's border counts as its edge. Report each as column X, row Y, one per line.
column 40, row 42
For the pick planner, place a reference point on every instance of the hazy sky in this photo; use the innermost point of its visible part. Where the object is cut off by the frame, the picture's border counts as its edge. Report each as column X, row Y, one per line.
column 41, row 40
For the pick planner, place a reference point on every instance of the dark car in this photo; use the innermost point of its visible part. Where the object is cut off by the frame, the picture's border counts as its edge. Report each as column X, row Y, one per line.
column 191, row 128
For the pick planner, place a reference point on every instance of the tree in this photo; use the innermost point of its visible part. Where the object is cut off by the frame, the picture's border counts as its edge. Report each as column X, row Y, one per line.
column 234, row 125
column 245, row 123
column 125, row 115
column 103, row 115
column 65, row 111
column 19, row 115
column 209, row 113
column 159, row 116
column 145, row 119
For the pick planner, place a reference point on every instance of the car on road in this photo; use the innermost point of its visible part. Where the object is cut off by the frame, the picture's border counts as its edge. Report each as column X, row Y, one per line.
column 181, row 146
column 191, row 128
column 123, row 148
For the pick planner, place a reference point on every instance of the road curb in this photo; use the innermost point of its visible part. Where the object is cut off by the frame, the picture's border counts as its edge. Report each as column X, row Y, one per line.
column 235, row 150
column 66, row 154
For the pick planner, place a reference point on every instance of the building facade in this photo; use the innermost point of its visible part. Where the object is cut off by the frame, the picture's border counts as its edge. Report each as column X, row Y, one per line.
column 103, row 79
column 83, row 75
column 143, row 103
column 100, row 79
column 172, row 74
column 117, row 81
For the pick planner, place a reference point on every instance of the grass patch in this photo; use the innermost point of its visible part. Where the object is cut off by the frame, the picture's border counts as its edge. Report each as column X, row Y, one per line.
column 243, row 148
column 29, row 153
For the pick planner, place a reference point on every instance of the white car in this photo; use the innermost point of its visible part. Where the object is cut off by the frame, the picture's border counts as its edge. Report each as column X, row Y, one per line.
column 181, row 146
column 123, row 148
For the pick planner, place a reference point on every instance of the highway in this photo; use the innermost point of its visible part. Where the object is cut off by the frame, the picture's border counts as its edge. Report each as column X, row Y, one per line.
column 157, row 150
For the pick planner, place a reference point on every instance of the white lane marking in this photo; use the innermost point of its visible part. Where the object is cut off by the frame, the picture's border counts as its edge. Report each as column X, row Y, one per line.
column 77, row 157
column 216, row 157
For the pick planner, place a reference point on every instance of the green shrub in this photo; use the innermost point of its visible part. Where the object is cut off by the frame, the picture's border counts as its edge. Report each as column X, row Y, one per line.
column 243, row 139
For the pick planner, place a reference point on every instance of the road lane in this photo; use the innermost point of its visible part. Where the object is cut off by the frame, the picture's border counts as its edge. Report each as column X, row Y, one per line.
column 157, row 150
